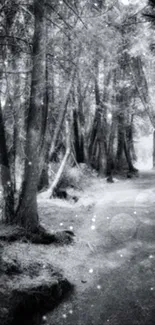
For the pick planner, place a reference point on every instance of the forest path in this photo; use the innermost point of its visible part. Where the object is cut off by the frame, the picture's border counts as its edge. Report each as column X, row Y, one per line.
column 112, row 264
column 112, row 260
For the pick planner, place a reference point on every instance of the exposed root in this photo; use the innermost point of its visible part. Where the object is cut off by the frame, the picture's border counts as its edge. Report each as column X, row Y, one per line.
column 40, row 236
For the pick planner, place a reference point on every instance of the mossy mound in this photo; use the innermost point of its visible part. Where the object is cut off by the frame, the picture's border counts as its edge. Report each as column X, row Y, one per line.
column 28, row 292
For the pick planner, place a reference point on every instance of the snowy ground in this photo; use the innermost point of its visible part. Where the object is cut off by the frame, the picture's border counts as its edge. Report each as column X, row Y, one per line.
column 112, row 262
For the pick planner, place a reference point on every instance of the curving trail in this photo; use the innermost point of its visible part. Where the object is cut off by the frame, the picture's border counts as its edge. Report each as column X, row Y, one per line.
column 112, row 262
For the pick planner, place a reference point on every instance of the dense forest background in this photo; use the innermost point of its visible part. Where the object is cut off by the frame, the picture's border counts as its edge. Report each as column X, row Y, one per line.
column 77, row 87
column 77, row 130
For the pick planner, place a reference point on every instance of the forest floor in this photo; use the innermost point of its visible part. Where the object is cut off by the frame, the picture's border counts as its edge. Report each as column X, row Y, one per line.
column 112, row 260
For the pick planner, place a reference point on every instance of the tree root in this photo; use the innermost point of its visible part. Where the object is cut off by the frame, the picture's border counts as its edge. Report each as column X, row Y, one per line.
column 40, row 236
column 132, row 173
column 46, row 238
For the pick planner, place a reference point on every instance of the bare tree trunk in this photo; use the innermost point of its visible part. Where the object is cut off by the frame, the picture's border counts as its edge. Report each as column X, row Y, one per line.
column 130, row 140
column 78, row 138
column 8, row 194
column 44, row 159
column 110, row 154
column 128, row 156
column 98, row 139
column 64, row 161
column 153, row 148
column 27, row 214
column 120, row 141
column 15, row 103
column 62, row 115
column 44, row 178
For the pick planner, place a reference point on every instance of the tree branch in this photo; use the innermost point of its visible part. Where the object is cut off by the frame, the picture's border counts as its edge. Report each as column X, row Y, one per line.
column 17, row 38
column 59, row 15
column 75, row 12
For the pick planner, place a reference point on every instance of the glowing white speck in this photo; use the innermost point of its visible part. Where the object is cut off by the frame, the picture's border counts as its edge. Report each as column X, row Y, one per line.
column 151, row 289
column 91, row 271
column 61, row 224
column 64, row 316
column 92, row 306
column 92, row 227
column 93, row 220
column 151, row 256
column 9, row 183
column 109, row 116
column 135, row 212
column 107, row 217
column 44, row 266
column 30, row 163
column 98, row 287
column 44, row 318
column 71, row 228
column 95, row 4
column 121, row 255
column 71, row 311
column 76, row 216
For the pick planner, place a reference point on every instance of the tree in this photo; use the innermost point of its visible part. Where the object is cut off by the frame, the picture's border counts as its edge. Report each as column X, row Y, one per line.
column 26, row 213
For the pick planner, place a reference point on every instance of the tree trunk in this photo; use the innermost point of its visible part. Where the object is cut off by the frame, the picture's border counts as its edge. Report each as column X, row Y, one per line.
column 8, row 194
column 78, row 138
column 120, row 141
column 62, row 114
column 130, row 141
column 153, row 148
column 27, row 214
column 110, row 154
column 128, row 156
column 44, row 179
column 64, row 161
column 95, row 136
column 44, row 159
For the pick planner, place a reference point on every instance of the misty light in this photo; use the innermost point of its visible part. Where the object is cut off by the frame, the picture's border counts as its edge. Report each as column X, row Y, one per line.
column 2, row 103
column 109, row 117
column 125, row 2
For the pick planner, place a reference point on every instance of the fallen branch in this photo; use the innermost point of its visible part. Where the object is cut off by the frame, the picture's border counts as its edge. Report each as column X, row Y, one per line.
column 59, row 173
column 63, row 164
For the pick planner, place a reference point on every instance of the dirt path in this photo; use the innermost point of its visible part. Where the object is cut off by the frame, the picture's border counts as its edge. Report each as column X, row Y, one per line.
column 112, row 262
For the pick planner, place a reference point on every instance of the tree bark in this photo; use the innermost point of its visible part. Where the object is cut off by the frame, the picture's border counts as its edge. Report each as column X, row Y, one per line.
column 8, row 194
column 128, row 156
column 153, row 148
column 120, row 141
column 130, row 140
column 44, row 179
column 78, row 138
column 110, row 154
column 64, row 161
column 27, row 214
column 62, row 115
